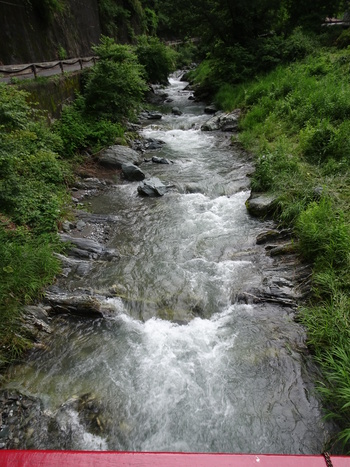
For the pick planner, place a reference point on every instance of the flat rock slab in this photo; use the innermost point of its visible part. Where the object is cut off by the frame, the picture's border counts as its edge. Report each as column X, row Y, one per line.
column 82, row 305
column 117, row 155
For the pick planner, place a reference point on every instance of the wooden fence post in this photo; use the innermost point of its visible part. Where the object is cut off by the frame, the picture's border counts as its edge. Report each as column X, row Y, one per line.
column 33, row 67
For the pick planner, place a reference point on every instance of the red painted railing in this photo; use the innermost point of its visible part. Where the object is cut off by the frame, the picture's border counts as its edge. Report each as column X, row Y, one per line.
column 160, row 459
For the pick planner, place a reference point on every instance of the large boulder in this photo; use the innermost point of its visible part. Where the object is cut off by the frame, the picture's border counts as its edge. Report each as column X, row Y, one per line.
column 213, row 124
column 152, row 187
column 223, row 121
column 132, row 173
column 229, row 122
column 117, row 155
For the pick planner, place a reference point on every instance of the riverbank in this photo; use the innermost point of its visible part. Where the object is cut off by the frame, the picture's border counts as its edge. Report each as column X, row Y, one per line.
column 296, row 120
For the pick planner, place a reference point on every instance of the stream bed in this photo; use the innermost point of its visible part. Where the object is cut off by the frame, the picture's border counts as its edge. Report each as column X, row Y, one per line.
column 179, row 364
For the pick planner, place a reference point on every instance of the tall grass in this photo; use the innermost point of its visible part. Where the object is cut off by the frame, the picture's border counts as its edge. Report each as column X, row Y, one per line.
column 296, row 120
column 33, row 195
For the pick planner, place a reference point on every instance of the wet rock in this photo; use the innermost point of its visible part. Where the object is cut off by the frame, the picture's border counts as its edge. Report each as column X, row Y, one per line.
column 96, row 218
column 81, row 305
column 223, row 121
column 273, row 234
column 211, row 109
column 132, row 173
column 85, row 248
column 176, row 111
column 67, row 226
column 229, row 122
column 90, row 183
column 115, row 156
column 261, row 205
column 15, row 409
column 83, row 244
column 152, row 187
column 285, row 249
column 151, row 144
column 212, row 124
column 80, row 225
column 36, row 320
column 149, row 115
column 134, row 127
column 160, row 160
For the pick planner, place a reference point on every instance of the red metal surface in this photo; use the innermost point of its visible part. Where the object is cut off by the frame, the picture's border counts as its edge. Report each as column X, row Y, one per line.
column 159, row 459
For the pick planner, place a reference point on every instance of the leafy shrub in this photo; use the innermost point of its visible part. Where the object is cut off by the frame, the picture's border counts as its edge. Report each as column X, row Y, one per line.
column 298, row 45
column 343, row 41
column 115, row 86
column 158, row 59
column 151, row 21
column 14, row 109
column 79, row 131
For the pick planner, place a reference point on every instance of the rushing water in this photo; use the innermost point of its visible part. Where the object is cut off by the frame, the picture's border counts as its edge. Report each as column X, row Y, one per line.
column 181, row 366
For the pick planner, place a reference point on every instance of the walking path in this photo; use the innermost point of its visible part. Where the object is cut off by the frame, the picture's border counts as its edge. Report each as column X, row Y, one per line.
column 34, row 70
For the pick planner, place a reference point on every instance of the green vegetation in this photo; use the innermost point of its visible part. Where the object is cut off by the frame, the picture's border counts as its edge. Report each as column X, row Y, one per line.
column 158, row 59
column 115, row 86
column 32, row 196
column 296, row 119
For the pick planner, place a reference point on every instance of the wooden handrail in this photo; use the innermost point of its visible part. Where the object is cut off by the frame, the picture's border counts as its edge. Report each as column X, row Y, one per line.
column 34, row 67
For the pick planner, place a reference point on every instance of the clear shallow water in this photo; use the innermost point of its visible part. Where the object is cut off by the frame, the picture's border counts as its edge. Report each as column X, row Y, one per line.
column 180, row 366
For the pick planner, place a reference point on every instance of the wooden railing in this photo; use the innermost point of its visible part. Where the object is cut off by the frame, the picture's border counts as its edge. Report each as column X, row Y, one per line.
column 34, row 68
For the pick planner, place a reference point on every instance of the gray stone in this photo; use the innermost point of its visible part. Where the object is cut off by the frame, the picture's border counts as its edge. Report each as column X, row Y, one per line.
column 211, row 109
column 152, row 187
column 81, row 224
column 176, row 111
column 154, row 115
column 82, row 305
column 229, row 122
column 223, row 121
column 115, row 156
column 285, row 249
column 83, row 243
column 153, row 144
column 213, row 124
column 160, row 160
column 132, row 173
column 67, row 226
column 261, row 205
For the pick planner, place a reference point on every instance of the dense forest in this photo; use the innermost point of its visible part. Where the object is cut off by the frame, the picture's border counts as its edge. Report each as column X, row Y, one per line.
column 278, row 62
